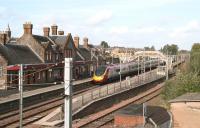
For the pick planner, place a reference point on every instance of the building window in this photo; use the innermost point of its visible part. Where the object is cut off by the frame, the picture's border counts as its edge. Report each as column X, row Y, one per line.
column 47, row 55
column 39, row 75
column 50, row 73
column 68, row 53
column 43, row 74
column 50, row 55
column 57, row 56
column 1, row 71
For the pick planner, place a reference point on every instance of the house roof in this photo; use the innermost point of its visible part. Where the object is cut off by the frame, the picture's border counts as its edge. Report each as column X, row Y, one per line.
column 19, row 54
column 43, row 40
column 188, row 97
column 158, row 114
column 60, row 40
column 85, row 53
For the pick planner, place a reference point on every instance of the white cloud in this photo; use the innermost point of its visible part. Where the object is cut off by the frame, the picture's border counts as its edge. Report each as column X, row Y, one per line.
column 186, row 30
column 99, row 17
column 163, row 2
column 2, row 11
column 148, row 30
column 119, row 30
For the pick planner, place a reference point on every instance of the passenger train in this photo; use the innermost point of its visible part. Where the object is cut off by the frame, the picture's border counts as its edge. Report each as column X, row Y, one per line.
column 104, row 73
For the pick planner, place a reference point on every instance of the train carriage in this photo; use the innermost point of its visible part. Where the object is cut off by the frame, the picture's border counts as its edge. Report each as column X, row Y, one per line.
column 108, row 73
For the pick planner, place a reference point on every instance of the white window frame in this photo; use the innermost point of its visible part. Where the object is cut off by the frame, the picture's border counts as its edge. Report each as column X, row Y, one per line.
column 39, row 77
column 1, row 71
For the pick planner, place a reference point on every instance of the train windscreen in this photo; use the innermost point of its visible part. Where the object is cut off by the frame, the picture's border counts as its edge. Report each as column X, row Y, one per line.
column 100, row 70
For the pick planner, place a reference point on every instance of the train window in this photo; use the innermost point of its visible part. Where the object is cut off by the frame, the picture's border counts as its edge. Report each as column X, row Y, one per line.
column 100, row 70
column 117, row 70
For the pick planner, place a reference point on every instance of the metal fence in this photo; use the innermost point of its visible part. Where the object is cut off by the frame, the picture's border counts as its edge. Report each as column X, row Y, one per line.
column 82, row 100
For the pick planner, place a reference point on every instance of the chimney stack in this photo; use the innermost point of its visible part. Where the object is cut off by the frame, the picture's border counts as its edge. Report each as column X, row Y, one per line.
column 3, row 36
column 61, row 32
column 76, row 41
column 54, row 29
column 46, row 31
column 28, row 28
column 85, row 42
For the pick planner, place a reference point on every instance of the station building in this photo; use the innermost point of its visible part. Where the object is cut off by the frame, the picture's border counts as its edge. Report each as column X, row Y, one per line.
column 39, row 52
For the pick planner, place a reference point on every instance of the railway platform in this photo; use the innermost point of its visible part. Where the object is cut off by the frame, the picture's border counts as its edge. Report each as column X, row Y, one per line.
column 40, row 94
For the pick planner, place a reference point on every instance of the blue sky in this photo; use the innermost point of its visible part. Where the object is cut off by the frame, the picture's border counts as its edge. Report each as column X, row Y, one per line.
column 128, row 23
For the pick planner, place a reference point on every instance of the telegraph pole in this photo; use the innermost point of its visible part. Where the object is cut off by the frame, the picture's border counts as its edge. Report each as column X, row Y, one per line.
column 68, row 93
column 20, row 82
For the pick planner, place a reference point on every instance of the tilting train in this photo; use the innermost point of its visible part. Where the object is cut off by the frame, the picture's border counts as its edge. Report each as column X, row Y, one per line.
column 108, row 73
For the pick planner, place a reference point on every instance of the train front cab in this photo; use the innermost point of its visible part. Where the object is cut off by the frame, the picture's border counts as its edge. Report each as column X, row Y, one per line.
column 100, row 75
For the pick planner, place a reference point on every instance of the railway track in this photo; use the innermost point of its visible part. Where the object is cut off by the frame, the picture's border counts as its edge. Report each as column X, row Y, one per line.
column 38, row 111
column 34, row 112
column 101, row 119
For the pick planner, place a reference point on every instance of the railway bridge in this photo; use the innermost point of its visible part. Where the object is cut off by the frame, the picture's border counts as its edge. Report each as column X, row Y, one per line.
column 171, row 60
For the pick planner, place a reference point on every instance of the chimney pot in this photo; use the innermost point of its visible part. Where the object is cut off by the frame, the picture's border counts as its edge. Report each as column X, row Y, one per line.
column 61, row 32
column 46, row 31
column 28, row 28
column 54, row 29
column 3, row 37
column 85, row 42
column 76, row 41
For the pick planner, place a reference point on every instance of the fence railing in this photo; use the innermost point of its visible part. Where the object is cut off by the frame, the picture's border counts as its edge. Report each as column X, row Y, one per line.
column 103, row 91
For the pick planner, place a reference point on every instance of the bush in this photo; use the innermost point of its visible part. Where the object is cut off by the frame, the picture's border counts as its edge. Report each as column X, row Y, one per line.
column 182, row 83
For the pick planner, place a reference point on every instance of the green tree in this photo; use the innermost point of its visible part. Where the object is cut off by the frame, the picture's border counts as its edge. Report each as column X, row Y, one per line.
column 152, row 48
column 104, row 44
column 183, row 83
column 195, row 58
column 170, row 49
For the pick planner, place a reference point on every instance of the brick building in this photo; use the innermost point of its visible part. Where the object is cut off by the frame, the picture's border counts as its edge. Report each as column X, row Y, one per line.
column 3, row 66
column 40, row 51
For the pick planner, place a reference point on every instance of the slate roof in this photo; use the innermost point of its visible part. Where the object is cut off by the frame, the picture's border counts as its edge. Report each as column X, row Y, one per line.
column 188, row 97
column 85, row 53
column 40, row 38
column 78, row 58
column 43, row 40
column 59, row 40
column 19, row 54
column 158, row 114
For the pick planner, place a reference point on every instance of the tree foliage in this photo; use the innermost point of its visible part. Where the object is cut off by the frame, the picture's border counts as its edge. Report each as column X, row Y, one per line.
column 183, row 83
column 188, row 81
column 152, row 48
column 170, row 49
column 104, row 44
column 195, row 58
